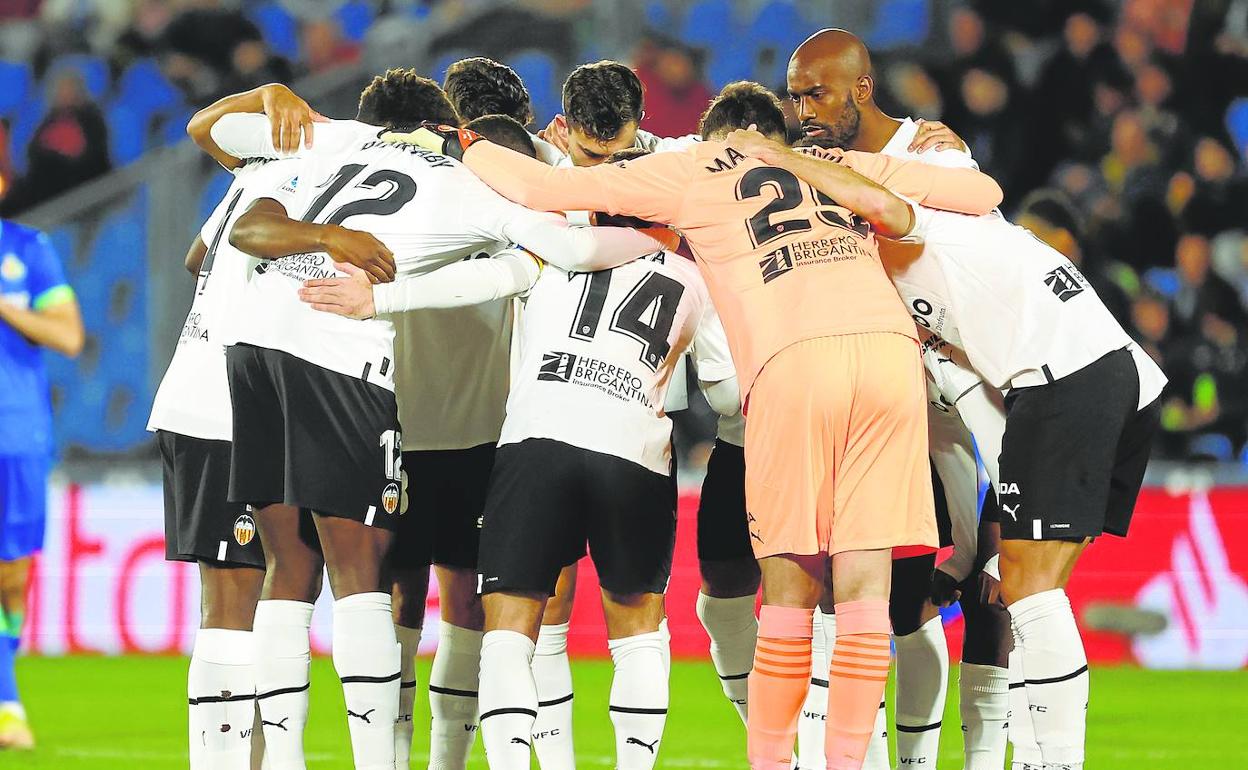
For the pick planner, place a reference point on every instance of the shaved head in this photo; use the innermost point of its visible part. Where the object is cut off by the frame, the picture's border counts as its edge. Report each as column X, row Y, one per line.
column 829, row 81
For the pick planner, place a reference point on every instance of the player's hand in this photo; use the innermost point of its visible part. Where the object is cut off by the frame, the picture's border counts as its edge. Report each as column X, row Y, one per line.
column 748, row 141
column 989, row 590
column 360, row 249
column 934, row 135
column 351, row 296
column 289, row 117
column 945, row 590
column 438, row 137
column 556, row 133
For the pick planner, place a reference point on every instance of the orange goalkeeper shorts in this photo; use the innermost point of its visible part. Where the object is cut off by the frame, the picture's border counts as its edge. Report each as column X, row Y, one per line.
column 836, row 448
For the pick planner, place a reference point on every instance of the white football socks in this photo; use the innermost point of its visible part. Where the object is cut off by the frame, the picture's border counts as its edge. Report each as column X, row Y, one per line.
column 1055, row 669
column 639, row 698
column 733, row 628
column 814, row 716
column 1021, row 732
column 922, row 677
column 984, row 704
column 221, row 691
column 280, row 635
column 508, row 699
column 367, row 658
column 453, row 684
column 409, row 644
column 552, row 730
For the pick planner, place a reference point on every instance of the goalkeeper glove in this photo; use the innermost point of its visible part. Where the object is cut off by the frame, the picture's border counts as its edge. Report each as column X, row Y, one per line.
column 438, row 137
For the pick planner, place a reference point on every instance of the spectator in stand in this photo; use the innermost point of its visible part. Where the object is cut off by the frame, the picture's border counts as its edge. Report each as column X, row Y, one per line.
column 143, row 37
column 914, row 90
column 84, row 24
column 323, row 47
column 1201, row 291
column 211, row 50
column 70, row 146
column 1210, row 374
column 992, row 128
column 1133, row 171
column 1214, row 198
column 676, row 93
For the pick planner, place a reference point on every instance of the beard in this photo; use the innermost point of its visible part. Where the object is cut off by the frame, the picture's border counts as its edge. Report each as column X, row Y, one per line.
column 843, row 133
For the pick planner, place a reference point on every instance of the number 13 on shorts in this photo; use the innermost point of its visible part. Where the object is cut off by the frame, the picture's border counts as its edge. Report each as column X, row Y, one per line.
column 392, row 455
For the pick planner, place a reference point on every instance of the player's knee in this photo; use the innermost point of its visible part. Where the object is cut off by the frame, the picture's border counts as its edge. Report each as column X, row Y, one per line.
column 460, row 605
column 630, row 614
column 228, row 596
column 410, row 589
column 729, row 578
column 987, row 637
column 519, row 612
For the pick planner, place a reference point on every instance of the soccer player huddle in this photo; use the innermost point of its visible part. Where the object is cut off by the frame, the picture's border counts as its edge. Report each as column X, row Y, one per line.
column 427, row 338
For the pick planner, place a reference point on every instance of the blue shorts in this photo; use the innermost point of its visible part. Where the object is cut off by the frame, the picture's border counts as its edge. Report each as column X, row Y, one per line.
column 23, row 505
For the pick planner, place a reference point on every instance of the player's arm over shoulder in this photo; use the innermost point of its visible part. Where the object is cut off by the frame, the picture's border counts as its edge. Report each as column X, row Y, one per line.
column 953, row 188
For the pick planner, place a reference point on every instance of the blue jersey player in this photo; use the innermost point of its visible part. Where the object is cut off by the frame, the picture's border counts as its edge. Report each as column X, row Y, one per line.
column 37, row 310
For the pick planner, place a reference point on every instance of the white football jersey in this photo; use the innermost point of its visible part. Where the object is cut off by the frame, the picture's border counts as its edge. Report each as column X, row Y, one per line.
column 597, row 352
column 1020, row 310
column 451, row 373
column 194, row 397
column 429, row 210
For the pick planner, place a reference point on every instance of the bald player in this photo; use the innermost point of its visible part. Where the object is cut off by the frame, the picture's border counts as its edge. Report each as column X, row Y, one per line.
column 831, row 83
column 821, row 481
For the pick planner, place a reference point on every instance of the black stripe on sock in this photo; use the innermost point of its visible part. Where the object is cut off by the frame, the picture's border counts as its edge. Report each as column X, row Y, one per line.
column 820, row 682
column 500, row 712
column 221, row 699
column 407, row 685
column 1017, row 685
column 631, row 710
column 555, row 702
column 881, row 704
column 283, row 691
column 734, row 677
column 1055, row 679
column 449, row 691
column 918, row 728
column 370, row 679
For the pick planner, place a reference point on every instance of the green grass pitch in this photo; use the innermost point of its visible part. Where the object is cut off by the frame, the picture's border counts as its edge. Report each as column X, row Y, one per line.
column 130, row 713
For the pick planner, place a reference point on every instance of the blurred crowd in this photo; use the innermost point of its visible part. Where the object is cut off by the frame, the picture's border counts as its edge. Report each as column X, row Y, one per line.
column 1127, row 120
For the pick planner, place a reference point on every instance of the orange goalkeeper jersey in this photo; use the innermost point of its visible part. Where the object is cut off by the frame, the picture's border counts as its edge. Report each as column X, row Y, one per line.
column 783, row 262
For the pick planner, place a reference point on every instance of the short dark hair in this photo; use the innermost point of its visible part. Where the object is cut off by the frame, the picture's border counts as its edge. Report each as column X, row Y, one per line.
column 740, row 104
column 601, row 98
column 1054, row 207
column 479, row 86
column 504, row 130
column 401, row 100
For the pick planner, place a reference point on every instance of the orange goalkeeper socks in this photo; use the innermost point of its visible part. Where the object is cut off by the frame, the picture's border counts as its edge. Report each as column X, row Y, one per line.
column 777, row 685
column 856, row 680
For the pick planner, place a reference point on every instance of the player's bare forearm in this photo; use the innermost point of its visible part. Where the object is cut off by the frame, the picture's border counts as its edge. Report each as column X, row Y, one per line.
column 290, row 116
column 194, row 259
column 266, row 232
column 888, row 214
column 58, row 327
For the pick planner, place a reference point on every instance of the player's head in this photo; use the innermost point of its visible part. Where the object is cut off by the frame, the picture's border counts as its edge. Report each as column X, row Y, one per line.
column 479, row 86
column 504, row 130
column 1051, row 216
column 740, row 105
column 830, row 81
column 401, row 100
column 603, row 104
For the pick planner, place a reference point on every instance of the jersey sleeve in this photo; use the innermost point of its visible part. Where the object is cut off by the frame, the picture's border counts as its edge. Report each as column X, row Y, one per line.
column 45, row 277
column 249, row 135
column 490, row 216
column 652, row 187
column 508, row 273
column 652, row 143
column 710, row 348
column 953, row 454
column 964, row 190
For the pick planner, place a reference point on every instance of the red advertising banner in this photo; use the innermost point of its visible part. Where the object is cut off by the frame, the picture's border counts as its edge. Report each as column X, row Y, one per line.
column 102, row 585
